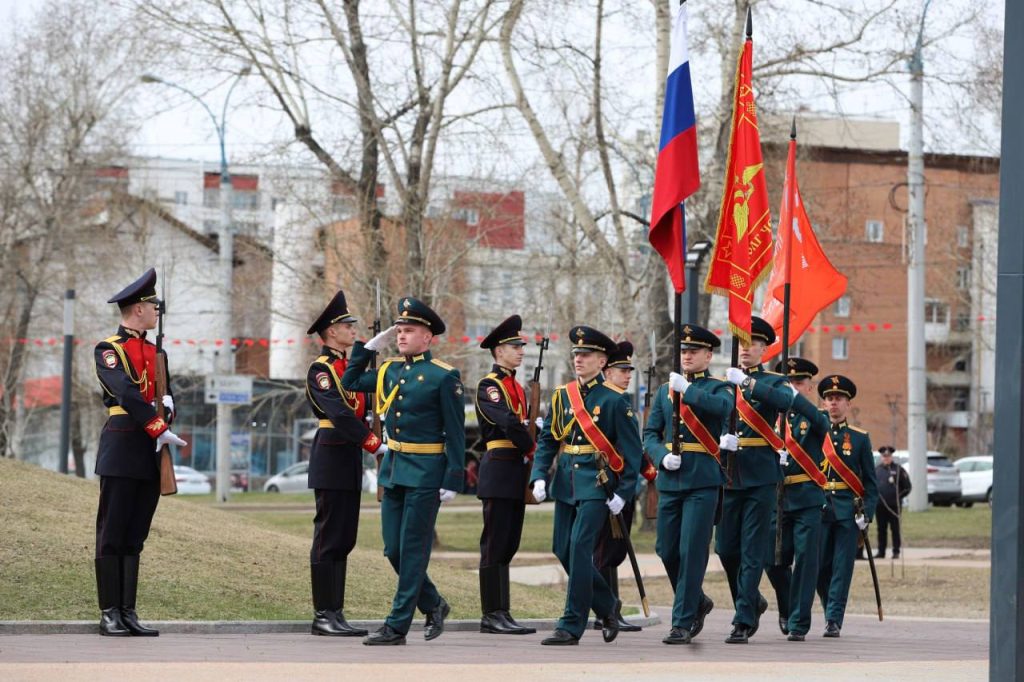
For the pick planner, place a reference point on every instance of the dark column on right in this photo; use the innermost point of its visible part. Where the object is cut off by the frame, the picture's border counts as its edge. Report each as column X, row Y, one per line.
column 1006, row 654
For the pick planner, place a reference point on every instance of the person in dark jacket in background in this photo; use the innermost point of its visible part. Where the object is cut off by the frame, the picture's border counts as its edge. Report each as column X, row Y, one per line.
column 893, row 486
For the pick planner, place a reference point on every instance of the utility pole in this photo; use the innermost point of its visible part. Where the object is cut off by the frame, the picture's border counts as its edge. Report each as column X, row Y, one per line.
column 65, row 386
column 917, row 424
column 225, row 357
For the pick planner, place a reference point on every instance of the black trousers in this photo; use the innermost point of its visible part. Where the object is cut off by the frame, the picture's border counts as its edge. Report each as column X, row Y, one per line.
column 503, row 528
column 335, row 525
column 886, row 520
column 124, row 515
column 611, row 552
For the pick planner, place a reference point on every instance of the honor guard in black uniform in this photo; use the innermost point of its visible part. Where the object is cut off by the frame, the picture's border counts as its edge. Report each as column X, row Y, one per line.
column 127, row 458
column 611, row 551
column 501, row 411
column 335, row 467
column 421, row 401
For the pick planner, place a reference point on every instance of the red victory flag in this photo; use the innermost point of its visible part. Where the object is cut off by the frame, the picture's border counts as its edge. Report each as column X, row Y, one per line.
column 677, row 174
column 799, row 261
column 743, row 244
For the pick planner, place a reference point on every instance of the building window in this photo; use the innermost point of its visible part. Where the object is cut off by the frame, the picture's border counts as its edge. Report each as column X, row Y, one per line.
column 470, row 216
column 963, row 321
column 936, row 312
column 960, row 400
column 796, row 350
column 211, row 197
column 963, row 277
column 245, row 201
column 840, row 348
column 843, row 306
column 962, row 236
column 181, row 198
column 874, row 230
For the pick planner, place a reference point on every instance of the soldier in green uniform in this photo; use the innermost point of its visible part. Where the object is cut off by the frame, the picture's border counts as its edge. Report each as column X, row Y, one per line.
column 689, row 483
column 851, row 494
column 611, row 551
column 794, row 579
column 590, row 428
column 421, row 401
column 743, row 534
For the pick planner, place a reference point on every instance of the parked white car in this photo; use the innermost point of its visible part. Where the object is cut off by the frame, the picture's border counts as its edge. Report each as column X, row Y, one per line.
column 191, row 482
column 294, row 479
column 976, row 477
column 944, row 486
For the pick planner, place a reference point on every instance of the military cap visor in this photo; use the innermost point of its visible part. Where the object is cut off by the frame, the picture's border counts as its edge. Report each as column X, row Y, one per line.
column 589, row 340
column 622, row 358
column 761, row 331
column 694, row 337
column 797, row 368
column 837, row 384
column 886, row 450
column 335, row 312
column 508, row 332
column 414, row 311
column 142, row 290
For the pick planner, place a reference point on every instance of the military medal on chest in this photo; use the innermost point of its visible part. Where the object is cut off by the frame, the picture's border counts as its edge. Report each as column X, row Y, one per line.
column 847, row 445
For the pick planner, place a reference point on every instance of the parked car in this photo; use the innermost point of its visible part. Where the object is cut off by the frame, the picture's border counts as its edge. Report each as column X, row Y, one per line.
column 294, row 479
column 976, row 475
column 190, row 481
column 944, row 486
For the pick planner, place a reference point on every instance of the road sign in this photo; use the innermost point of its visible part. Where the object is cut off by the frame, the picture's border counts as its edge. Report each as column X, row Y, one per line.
column 233, row 389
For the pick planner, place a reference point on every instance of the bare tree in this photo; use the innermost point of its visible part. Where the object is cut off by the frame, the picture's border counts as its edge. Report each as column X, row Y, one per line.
column 63, row 116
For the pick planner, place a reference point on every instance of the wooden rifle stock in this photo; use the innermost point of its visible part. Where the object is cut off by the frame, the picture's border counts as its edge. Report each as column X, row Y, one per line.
column 168, row 484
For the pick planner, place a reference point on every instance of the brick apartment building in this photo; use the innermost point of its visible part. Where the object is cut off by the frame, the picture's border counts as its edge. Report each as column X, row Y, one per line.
column 857, row 200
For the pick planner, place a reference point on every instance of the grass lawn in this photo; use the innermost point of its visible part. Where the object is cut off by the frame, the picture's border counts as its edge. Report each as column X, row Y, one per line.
column 199, row 562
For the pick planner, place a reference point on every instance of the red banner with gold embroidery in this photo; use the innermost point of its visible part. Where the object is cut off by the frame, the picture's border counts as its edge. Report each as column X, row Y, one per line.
column 743, row 242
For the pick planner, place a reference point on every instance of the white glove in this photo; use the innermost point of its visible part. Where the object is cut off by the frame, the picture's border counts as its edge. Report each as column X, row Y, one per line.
column 861, row 522
column 677, row 382
column 729, row 442
column 795, row 390
column 783, row 458
column 539, row 422
column 381, row 449
column 735, row 376
column 446, row 495
column 168, row 402
column 671, row 462
column 383, row 339
column 540, row 490
column 168, row 438
column 615, row 504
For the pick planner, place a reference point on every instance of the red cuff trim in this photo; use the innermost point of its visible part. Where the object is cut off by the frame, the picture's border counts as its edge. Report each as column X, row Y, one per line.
column 371, row 443
column 649, row 472
column 156, row 426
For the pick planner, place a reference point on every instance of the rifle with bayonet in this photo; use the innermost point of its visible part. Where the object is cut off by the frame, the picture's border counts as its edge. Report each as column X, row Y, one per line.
column 651, row 499
column 375, row 424
column 533, row 408
column 619, row 530
column 168, row 484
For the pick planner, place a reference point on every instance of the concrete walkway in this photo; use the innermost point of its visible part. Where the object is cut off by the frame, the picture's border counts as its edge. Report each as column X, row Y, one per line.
column 899, row 648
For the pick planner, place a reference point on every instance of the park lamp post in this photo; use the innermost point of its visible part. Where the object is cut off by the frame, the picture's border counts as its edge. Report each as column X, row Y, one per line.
column 694, row 257
column 225, row 362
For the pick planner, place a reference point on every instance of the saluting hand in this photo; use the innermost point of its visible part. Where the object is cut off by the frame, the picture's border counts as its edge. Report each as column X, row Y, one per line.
column 383, row 339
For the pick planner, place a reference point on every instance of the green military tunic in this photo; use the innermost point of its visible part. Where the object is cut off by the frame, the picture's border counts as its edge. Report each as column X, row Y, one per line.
column 580, row 509
column 424, row 417
column 794, row 579
column 744, row 531
column 687, row 497
column 839, row 531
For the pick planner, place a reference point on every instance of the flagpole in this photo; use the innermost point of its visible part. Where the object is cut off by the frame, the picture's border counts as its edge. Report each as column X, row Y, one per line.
column 678, row 333
column 786, row 223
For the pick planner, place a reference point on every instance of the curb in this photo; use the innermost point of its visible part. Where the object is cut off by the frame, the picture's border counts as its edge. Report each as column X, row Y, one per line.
column 254, row 627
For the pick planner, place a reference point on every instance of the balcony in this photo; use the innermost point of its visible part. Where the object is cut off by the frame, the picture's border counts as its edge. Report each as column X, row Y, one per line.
column 949, row 379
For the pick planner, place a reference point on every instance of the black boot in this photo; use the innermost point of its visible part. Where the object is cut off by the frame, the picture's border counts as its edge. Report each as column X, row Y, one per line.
column 324, row 619
column 492, row 621
column 339, row 570
column 506, row 604
column 129, row 588
column 108, row 589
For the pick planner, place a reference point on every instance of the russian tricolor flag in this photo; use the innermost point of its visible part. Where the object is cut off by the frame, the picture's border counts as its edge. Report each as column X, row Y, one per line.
column 677, row 174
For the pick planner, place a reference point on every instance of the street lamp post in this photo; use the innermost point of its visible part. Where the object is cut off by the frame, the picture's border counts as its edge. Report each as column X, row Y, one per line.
column 225, row 358
column 694, row 256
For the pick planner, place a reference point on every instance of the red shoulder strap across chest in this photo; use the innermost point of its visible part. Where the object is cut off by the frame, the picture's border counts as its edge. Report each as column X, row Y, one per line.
column 142, row 355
